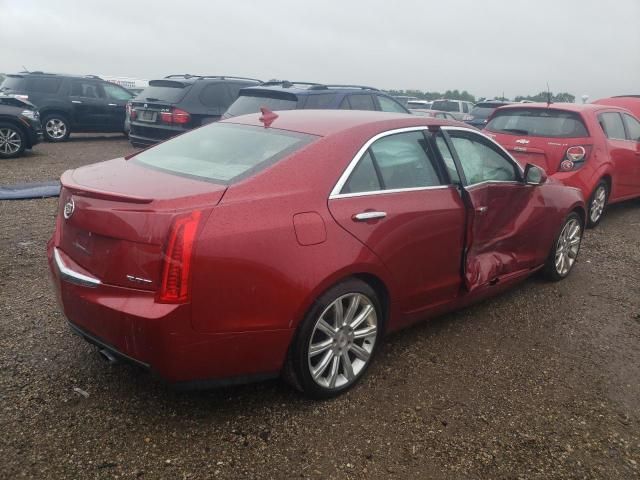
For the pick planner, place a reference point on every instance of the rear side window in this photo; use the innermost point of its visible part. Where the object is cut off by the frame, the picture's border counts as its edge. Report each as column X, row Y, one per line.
column 633, row 128
column 86, row 89
column 43, row 84
column 320, row 101
column 216, row 96
column 397, row 161
column 538, row 122
column 445, row 106
column 612, row 125
column 223, row 152
column 388, row 105
column 166, row 91
column 361, row 102
column 245, row 104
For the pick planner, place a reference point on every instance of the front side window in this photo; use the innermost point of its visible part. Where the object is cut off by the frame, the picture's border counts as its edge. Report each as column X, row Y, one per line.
column 80, row 88
column 223, row 152
column 388, row 105
column 611, row 123
column 481, row 162
column 397, row 161
column 115, row 92
column 633, row 128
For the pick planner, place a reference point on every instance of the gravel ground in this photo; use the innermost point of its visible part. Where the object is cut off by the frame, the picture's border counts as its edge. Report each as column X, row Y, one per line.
column 542, row 382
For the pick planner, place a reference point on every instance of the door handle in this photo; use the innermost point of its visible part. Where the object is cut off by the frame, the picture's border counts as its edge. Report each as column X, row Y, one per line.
column 76, row 101
column 113, row 104
column 482, row 210
column 366, row 216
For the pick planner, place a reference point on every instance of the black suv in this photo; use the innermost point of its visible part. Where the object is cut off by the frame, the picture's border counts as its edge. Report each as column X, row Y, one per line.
column 70, row 103
column 178, row 103
column 19, row 126
column 285, row 95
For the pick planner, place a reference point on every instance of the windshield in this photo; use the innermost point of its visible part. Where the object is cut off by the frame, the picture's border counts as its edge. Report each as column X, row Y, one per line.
column 11, row 83
column 538, row 122
column 251, row 104
column 445, row 106
column 167, row 91
column 223, row 152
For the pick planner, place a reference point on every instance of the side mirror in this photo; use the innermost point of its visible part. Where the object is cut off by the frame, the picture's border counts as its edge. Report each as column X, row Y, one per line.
column 534, row 175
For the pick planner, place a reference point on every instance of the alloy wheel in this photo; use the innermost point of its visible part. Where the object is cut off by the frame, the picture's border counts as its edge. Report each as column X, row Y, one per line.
column 567, row 247
column 56, row 128
column 342, row 341
column 10, row 141
column 598, row 203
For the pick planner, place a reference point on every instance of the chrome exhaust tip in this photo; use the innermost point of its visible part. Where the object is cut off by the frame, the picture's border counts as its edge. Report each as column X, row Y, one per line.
column 108, row 356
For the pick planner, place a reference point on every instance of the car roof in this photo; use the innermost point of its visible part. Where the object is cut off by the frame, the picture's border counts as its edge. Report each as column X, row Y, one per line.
column 308, row 88
column 327, row 122
column 186, row 77
column 52, row 75
column 569, row 107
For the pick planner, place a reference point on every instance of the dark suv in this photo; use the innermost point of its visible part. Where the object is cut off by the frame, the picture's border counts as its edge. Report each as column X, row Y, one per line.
column 19, row 126
column 285, row 95
column 69, row 103
column 178, row 103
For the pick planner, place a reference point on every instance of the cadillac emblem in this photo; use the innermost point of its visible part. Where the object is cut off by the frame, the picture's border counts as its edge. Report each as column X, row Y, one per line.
column 69, row 207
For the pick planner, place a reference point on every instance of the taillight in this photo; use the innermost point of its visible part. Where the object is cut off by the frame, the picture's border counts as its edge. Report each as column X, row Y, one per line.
column 176, row 270
column 133, row 113
column 574, row 157
column 176, row 116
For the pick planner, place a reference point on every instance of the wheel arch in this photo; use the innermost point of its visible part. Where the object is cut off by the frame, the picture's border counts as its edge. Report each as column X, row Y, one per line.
column 56, row 110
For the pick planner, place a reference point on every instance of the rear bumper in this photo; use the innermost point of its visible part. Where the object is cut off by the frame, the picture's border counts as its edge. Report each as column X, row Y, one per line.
column 159, row 337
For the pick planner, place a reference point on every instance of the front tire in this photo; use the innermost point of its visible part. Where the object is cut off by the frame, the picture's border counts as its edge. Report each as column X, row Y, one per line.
column 56, row 127
column 597, row 204
column 565, row 249
column 12, row 141
column 336, row 341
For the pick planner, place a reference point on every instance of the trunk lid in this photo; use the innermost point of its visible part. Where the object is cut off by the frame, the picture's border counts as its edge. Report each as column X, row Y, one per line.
column 120, row 218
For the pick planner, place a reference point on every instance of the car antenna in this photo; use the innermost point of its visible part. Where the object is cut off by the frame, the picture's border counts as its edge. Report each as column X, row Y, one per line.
column 267, row 117
column 548, row 95
column 25, row 69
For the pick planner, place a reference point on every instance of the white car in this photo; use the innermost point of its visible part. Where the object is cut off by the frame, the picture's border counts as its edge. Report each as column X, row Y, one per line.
column 458, row 108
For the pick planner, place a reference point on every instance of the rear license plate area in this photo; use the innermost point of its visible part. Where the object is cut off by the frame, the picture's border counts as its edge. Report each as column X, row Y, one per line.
column 147, row 116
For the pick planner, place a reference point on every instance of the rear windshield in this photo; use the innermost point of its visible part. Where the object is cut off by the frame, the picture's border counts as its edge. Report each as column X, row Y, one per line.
column 418, row 105
column 167, row 91
column 251, row 104
column 11, row 83
column 482, row 112
column 223, row 152
column 538, row 122
column 445, row 106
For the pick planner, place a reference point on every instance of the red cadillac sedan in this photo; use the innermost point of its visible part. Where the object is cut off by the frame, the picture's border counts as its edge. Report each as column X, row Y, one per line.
column 289, row 243
column 595, row 148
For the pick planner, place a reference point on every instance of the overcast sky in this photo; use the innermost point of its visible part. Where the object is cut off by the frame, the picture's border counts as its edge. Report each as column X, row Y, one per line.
column 484, row 46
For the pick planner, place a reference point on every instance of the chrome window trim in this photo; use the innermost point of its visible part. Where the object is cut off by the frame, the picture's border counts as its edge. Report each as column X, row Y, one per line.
column 335, row 192
column 72, row 276
column 493, row 142
column 391, row 190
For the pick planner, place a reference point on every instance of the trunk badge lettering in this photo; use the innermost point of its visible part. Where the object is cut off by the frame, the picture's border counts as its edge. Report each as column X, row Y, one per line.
column 69, row 208
column 133, row 279
column 522, row 141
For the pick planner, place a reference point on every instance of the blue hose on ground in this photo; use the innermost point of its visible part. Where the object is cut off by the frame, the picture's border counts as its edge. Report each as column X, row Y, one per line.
column 24, row 191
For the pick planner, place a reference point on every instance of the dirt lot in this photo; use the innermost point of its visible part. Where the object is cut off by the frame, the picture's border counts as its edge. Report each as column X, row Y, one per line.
column 540, row 383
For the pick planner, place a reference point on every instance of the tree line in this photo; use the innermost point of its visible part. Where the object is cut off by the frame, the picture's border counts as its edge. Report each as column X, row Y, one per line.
column 466, row 96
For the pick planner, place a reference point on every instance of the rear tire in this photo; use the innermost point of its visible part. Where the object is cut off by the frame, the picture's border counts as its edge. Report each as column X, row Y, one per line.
column 336, row 341
column 56, row 127
column 597, row 204
column 13, row 141
column 565, row 249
